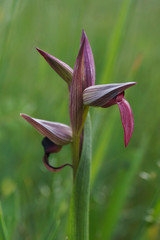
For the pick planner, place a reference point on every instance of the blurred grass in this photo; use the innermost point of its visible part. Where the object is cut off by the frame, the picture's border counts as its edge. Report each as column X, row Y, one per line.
column 125, row 37
column 3, row 232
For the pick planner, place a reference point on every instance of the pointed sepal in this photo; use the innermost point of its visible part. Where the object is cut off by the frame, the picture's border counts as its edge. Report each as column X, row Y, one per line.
column 58, row 133
column 83, row 77
column 61, row 68
column 104, row 95
column 88, row 62
column 108, row 95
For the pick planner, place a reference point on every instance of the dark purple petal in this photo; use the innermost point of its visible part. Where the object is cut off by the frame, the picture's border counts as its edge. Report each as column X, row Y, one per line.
column 83, row 76
column 126, row 117
column 63, row 70
column 50, row 147
column 104, row 95
column 58, row 133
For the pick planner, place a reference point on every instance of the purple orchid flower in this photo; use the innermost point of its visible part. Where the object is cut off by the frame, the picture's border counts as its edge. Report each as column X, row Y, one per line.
column 55, row 136
column 108, row 95
column 82, row 93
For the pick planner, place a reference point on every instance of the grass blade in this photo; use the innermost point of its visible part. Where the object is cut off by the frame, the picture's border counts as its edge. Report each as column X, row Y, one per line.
column 121, row 188
column 3, row 228
column 116, row 39
column 101, row 149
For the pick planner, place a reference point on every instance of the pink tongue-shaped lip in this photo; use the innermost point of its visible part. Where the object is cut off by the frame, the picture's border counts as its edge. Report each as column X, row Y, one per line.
column 126, row 117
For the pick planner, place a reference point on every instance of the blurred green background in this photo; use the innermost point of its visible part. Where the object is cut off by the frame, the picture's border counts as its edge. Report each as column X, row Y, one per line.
column 125, row 192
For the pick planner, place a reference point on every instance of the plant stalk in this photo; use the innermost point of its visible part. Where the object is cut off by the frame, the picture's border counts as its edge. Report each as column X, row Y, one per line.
column 75, row 155
column 78, row 228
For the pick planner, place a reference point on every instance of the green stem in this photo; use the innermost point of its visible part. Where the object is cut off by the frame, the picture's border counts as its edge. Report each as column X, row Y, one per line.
column 78, row 228
column 75, row 157
column 76, row 144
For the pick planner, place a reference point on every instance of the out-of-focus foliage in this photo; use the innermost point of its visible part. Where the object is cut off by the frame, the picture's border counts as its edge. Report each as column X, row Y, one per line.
column 125, row 38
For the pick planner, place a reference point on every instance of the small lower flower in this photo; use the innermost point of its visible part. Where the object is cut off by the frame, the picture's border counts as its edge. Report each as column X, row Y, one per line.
column 56, row 135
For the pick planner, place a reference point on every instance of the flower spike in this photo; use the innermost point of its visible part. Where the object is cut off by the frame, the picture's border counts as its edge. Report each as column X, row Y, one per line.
column 63, row 70
column 82, row 93
column 58, row 133
column 50, row 147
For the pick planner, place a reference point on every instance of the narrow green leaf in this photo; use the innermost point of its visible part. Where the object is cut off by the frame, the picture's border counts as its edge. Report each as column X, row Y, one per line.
column 121, row 188
column 79, row 209
column 116, row 39
column 102, row 148
column 149, row 229
column 50, row 231
column 3, row 228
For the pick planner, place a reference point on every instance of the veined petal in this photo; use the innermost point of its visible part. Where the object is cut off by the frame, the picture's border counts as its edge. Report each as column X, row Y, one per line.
column 63, row 70
column 76, row 91
column 58, row 133
column 50, row 147
column 83, row 77
column 103, row 95
column 127, row 118
column 88, row 62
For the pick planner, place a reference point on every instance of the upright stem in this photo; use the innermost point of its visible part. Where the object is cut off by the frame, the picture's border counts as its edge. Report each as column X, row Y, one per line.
column 76, row 143
column 75, row 152
column 79, row 209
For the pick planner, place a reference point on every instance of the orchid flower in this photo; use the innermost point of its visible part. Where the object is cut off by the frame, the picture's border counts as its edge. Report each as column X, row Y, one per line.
column 82, row 93
column 55, row 136
column 108, row 95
